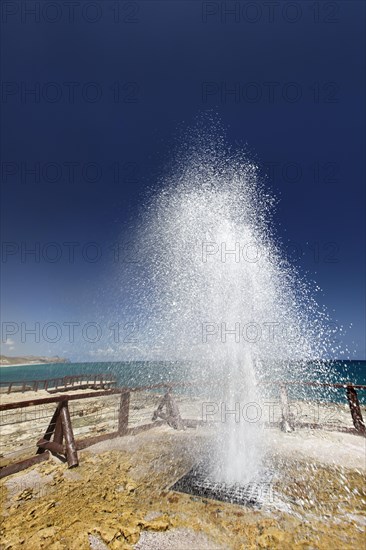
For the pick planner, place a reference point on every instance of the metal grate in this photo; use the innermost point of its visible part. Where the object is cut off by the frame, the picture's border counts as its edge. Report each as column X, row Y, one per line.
column 254, row 494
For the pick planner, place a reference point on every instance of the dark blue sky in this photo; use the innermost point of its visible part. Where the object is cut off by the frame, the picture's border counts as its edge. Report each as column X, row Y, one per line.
column 91, row 100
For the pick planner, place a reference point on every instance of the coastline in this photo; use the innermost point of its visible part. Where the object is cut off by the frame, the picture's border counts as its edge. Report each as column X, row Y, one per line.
column 29, row 364
column 24, row 365
column 30, row 361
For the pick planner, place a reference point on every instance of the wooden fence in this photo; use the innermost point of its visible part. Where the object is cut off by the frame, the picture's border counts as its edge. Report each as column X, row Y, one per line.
column 82, row 381
column 59, row 436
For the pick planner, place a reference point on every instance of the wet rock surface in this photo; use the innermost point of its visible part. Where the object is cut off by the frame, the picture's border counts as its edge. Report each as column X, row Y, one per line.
column 120, row 498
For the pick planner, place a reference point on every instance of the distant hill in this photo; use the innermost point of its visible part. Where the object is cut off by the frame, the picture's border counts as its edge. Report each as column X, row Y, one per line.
column 30, row 360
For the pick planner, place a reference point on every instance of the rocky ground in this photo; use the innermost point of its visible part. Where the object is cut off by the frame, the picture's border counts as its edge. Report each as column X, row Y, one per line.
column 120, row 495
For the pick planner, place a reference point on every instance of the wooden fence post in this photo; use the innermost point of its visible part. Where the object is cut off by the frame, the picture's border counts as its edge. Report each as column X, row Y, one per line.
column 354, row 406
column 158, row 413
column 285, row 424
column 172, row 415
column 174, row 418
column 51, row 427
column 59, row 432
column 123, row 413
column 71, row 454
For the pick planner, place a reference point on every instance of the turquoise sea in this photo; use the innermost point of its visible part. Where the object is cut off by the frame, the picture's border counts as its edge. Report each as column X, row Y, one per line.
column 142, row 373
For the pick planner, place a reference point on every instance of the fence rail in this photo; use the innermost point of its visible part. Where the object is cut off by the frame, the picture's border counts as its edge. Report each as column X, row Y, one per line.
column 82, row 381
column 59, row 437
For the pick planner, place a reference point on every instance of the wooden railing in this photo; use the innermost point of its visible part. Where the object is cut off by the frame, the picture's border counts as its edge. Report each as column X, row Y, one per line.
column 59, row 436
column 80, row 381
column 352, row 398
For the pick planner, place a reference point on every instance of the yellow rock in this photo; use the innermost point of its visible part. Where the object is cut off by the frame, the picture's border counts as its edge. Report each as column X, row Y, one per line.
column 130, row 487
column 272, row 538
column 48, row 532
column 156, row 525
column 75, row 508
column 27, row 494
column 56, row 546
column 132, row 534
column 108, row 533
column 119, row 544
column 80, row 542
